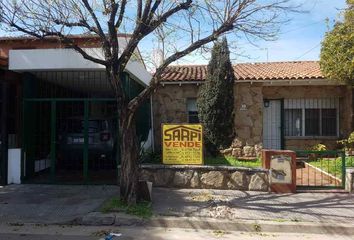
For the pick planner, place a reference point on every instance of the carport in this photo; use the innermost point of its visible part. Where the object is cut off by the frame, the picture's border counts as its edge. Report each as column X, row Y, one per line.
column 70, row 117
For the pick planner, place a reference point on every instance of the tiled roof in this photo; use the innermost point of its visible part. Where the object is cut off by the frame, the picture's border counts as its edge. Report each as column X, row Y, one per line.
column 249, row 71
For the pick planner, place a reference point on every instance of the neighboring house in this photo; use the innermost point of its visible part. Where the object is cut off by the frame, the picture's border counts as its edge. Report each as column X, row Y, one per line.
column 278, row 105
column 53, row 90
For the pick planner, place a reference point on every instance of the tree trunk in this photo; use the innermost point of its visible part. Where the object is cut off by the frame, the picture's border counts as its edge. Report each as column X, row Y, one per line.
column 129, row 153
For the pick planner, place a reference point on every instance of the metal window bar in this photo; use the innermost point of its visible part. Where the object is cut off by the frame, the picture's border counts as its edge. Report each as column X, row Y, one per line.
column 317, row 115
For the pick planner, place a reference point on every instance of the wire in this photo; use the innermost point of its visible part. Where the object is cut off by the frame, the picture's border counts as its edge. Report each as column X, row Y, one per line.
column 317, row 45
column 304, row 26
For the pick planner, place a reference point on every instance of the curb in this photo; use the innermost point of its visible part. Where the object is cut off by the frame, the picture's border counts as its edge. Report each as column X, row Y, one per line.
column 238, row 225
column 251, row 225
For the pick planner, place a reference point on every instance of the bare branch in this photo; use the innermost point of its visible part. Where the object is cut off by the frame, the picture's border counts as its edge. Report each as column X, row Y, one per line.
column 94, row 17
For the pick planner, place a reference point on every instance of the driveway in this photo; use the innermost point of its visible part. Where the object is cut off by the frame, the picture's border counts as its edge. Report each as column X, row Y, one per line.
column 50, row 203
column 312, row 176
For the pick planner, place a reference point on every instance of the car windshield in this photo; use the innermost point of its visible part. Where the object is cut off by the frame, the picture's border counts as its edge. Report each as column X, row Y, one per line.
column 77, row 126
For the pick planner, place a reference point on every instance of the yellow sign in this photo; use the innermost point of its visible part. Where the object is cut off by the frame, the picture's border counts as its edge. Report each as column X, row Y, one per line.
column 182, row 143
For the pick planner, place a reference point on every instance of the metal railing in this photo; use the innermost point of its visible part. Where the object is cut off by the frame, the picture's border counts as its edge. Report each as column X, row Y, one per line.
column 321, row 169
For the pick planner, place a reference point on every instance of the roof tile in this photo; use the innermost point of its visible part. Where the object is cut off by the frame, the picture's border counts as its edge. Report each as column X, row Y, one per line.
column 249, row 71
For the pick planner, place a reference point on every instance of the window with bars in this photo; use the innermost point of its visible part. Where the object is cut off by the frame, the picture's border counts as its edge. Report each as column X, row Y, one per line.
column 311, row 117
column 192, row 110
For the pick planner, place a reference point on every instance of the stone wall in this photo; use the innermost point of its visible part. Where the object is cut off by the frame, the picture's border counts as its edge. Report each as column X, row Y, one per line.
column 170, row 106
column 213, row 177
column 349, row 181
column 248, row 120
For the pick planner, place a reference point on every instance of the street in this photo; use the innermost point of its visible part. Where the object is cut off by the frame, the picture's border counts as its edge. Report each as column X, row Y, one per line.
column 60, row 232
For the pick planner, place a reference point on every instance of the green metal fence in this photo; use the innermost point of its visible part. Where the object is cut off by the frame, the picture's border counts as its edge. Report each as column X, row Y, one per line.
column 321, row 169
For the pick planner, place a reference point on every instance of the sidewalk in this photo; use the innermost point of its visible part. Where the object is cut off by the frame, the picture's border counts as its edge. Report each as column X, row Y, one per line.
column 49, row 204
column 59, row 204
column 232, row 205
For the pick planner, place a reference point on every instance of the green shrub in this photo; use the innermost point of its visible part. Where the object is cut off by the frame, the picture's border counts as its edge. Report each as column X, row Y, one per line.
column 319, row 147
column 216, row 100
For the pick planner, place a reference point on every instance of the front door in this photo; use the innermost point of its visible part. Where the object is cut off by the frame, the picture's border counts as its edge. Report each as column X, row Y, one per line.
column 272, row 124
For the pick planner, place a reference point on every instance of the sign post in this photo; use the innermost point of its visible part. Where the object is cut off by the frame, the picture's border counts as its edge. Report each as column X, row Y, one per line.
column 182, row 144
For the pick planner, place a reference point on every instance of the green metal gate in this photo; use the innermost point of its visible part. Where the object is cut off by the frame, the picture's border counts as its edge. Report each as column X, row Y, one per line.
column 70, row 127
column 63, row 140
column 321, row 169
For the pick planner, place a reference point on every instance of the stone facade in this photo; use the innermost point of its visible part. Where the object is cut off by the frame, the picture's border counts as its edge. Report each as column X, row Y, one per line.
column 248, row 120
column 170, row 106
column 213, row 177
column 248, row 115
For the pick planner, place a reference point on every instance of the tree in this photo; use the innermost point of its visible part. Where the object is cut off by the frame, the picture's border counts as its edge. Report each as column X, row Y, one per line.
column 337, row 52
column 216, row 99
column 198, row 23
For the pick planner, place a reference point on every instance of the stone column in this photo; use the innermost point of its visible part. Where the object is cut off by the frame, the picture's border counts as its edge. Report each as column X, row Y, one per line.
column 349, row 181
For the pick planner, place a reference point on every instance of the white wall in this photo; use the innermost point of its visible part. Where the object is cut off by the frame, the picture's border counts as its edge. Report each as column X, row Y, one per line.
column 14, row 166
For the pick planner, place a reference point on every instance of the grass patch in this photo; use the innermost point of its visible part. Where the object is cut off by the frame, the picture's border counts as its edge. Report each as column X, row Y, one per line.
column 332, row 166
column 141, row 209
column 231, row 161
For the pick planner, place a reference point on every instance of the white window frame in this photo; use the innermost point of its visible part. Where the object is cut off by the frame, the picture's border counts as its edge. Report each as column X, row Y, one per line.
column 191, row 107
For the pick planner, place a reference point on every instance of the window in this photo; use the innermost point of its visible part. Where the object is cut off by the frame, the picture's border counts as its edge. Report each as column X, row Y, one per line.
column 192, row 110
column 312, row 120
column 311, row 117
column 329, row 119
column 293, row 122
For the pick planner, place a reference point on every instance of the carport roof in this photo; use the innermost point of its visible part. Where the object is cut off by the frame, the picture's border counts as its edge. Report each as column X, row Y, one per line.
column 72, row 36
column 249, row 71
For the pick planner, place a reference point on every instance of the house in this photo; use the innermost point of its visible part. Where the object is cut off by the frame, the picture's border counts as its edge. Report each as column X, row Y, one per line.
column 278, row 105
column 56, row 106
column 61, row 112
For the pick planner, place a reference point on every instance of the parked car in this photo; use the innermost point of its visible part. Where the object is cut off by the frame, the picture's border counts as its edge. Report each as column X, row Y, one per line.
column 101, row 142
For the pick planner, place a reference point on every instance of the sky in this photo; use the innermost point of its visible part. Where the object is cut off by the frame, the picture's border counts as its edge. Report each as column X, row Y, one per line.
column 300, row 39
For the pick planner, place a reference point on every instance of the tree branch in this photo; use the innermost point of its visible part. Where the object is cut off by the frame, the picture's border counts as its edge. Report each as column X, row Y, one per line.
column 143, row 30
column 121, row 13
column 94, row 17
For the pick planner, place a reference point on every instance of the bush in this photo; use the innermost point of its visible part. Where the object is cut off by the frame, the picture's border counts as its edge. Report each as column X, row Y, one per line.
column 348, row 144
column 319, row 147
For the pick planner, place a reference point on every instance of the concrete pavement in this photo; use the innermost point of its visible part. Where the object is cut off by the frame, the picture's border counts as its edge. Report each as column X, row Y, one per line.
column 233, row 205
column 63, row 203
column 55, row 232
column 48, row 204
